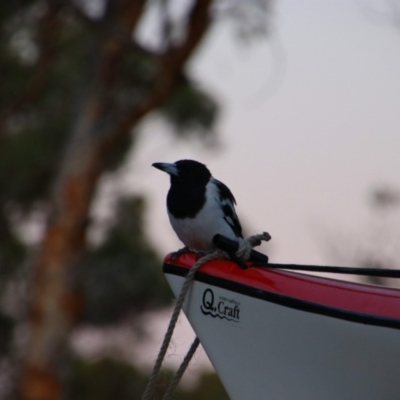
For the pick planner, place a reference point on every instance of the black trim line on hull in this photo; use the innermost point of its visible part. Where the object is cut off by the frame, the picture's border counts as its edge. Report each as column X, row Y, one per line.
column 283, row 300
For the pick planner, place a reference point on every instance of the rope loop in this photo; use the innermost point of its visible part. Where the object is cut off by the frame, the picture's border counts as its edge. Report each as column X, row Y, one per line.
column 243, row 252
column 244, row 249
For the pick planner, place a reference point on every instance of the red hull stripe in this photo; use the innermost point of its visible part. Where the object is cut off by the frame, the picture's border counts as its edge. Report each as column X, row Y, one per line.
column 358, row 298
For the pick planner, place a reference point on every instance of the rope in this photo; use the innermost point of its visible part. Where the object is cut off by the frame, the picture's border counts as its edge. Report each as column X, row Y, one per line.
column 149, row 392
column 174, row 383
column 243, row 252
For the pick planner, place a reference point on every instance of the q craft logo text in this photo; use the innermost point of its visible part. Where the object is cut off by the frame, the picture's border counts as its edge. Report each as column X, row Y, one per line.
column 222, row 308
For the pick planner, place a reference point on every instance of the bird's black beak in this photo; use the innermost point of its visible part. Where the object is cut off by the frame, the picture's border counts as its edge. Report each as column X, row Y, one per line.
column 166, row 167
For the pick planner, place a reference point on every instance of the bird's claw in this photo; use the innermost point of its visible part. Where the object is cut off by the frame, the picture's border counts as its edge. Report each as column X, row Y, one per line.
column 181, row 251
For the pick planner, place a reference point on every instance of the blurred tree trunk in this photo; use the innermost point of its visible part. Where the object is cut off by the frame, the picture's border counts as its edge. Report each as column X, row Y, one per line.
column 54, row 307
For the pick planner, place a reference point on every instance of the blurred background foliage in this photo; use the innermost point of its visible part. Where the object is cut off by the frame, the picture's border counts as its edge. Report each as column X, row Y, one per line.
column 49, row 64
column 108, row 379
column 122, row 276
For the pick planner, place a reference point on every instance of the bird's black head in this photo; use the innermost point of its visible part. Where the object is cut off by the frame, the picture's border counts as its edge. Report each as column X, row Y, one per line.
column 186, row 172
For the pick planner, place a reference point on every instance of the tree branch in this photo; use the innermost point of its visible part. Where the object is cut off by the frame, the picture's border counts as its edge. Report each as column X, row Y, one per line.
column 122, row 33
column 54, row 307
column 170, row 66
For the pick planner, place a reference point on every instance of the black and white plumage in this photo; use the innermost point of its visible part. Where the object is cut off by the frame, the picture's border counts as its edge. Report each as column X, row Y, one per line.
column 199, row 206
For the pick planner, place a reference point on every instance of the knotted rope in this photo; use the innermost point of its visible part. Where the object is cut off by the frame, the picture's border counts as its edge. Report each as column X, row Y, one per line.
column 243, row 252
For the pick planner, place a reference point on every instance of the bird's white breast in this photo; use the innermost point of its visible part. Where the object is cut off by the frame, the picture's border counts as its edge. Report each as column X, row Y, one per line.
column 197, row 233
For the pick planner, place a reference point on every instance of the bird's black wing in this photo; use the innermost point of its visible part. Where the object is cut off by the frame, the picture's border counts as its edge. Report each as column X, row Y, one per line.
column 227, row 204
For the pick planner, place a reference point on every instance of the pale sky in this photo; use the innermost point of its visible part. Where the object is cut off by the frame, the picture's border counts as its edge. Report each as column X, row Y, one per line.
column 310, row 124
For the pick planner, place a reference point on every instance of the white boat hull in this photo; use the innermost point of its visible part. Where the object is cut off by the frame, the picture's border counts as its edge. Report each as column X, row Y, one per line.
column 265, row 350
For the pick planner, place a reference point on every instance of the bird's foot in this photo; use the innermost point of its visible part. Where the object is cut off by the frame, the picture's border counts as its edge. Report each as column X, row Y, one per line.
column 181, row 251
column 201, row 254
